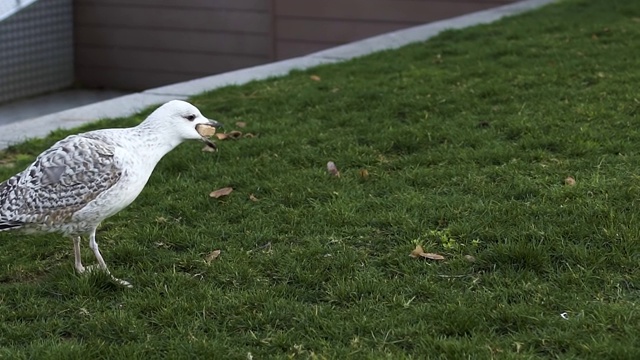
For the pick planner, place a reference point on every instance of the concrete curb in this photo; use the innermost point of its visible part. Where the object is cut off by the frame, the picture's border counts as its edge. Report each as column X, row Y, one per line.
column 133, row 103
column 396, row 39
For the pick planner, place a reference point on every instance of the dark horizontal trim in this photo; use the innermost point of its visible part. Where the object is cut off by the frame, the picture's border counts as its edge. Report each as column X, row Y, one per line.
column 303, row 41
column 185, row 52
column 371, row 10
column 497, row 2
column 343, row 20
column 78, row 27
column 146, row 71
column 182, row 19
column 176, row 7
column 96, row 25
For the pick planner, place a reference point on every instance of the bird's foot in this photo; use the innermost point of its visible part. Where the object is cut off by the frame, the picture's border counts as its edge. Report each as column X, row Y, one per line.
column 87, row 269
column 91, row 268
column 124, row 283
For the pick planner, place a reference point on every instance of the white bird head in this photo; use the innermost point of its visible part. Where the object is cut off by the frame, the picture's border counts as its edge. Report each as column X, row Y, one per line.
column 183, row 120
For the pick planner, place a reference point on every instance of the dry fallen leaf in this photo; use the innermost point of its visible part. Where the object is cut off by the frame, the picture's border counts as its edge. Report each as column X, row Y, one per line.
column 241, row 124
column 364, row 174
column 432, row 256
column 419, row 252
column 248, row 136
column 315, row 77
column 208, row 148
column 212, row 256
column 253, row 198
column 332, row 169
column 221, row 192
column 234, row 135
column 570, row 181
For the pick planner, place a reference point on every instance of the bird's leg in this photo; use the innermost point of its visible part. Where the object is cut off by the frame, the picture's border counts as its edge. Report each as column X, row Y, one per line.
column 101, row 264
column 76, row 254
column 93, row 245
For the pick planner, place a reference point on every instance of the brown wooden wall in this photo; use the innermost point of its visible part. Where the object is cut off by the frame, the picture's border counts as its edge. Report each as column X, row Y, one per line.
column 302, row 27
column 139, row 44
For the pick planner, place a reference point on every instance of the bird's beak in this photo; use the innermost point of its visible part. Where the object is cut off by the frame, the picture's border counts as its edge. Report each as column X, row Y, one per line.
column 207, row 130
column 215, row 124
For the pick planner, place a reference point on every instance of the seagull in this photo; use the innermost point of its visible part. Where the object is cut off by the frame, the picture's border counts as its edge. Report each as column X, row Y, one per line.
column 83, row 179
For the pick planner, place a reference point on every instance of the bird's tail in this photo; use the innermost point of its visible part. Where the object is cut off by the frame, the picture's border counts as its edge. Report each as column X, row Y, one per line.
column 9, row 225
column 6, row 188
column 8, row 221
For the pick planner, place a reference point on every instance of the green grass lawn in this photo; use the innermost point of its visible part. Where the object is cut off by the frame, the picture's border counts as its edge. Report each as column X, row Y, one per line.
column 467, row 140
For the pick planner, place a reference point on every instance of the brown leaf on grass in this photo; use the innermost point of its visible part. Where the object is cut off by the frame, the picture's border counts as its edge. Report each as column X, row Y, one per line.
column 418, row 252
column 208, row 148
column 364, row 174
column 241, row 124
column 315, row 77
column 233, row 135
column 570, row 181
column 253, row 198
column 333, row 169
column 221, row 192
column 248, row 136
column 212, row 256
column 432, row 256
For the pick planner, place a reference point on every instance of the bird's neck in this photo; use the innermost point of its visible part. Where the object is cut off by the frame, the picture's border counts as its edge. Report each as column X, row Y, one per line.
column 157, row 140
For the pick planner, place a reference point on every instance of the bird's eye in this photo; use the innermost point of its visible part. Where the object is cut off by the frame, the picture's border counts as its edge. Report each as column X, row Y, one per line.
column 190, row 117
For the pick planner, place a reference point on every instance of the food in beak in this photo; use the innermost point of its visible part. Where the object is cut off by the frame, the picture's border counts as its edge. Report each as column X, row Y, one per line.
column 206, row 130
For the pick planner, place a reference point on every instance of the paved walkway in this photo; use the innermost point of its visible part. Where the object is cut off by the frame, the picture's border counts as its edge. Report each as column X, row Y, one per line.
column 52, row 103
column 130, row 104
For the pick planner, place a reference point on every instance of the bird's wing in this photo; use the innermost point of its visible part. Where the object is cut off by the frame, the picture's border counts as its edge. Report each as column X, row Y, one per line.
column 61, row 181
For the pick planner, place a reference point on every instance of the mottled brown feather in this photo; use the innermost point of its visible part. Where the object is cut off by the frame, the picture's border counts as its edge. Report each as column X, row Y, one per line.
column 61, row 181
